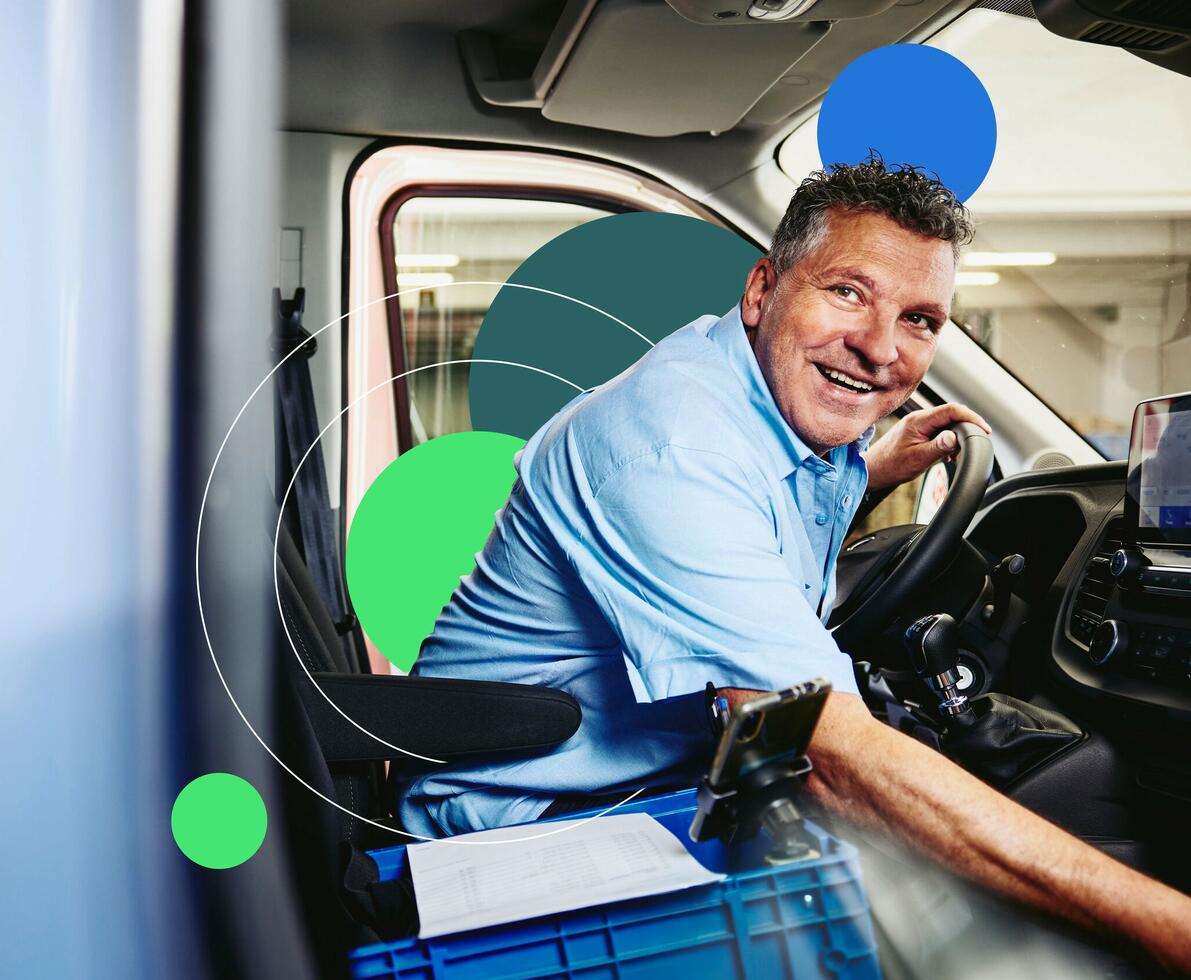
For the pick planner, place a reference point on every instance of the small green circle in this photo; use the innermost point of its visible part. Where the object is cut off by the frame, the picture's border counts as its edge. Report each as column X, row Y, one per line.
column 219, row 820
column 417, row 531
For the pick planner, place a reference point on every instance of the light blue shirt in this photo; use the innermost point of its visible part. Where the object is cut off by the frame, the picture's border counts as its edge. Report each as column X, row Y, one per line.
column 666, row 529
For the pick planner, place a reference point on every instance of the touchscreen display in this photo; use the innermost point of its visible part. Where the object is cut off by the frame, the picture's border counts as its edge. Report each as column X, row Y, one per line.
column 1160, row 468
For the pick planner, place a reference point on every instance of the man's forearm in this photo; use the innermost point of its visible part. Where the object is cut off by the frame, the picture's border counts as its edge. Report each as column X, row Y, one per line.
column 877, row 777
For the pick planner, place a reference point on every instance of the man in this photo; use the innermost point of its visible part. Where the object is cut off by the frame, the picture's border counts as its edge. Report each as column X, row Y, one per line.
column 680, row 524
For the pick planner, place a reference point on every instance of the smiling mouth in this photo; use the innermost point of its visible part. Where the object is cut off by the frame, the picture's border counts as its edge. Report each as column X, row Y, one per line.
column 845, row 381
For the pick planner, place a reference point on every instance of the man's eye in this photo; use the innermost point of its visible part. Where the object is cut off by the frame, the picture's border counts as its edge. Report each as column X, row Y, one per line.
column 919, row 320
column 846, row 291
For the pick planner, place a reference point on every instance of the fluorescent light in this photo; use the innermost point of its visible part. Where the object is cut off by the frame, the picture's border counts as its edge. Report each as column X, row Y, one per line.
column 977, row 278
column 430, row 260
column 409, row 280
column 1009, row 258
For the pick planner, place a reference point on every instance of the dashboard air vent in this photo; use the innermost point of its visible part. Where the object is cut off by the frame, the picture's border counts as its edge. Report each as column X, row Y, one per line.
column 1096, row 587
column 1127, row 36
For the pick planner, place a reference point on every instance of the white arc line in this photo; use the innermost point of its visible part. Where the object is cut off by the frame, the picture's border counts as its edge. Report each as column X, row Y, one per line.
column 198, row 545
column 289, row 488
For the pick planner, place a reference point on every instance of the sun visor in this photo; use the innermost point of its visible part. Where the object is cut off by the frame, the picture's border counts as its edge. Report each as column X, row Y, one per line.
column 639, row 66
column 643, row 68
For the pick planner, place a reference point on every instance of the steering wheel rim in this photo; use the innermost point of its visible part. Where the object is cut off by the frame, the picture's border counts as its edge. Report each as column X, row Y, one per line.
column 934, row 548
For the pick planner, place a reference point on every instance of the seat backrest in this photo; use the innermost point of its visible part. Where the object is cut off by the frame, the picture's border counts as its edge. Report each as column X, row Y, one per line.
column 309, row 640
column 314, row 636
column 320, row 838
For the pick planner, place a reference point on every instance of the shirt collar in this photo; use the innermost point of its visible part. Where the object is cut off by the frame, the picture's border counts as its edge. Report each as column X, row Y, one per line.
column 781, row 442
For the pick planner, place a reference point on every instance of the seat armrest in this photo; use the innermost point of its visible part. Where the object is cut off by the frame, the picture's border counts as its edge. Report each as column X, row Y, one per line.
column 434, row 716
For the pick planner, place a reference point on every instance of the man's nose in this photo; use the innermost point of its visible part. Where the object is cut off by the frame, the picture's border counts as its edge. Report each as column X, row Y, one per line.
column 876, row 339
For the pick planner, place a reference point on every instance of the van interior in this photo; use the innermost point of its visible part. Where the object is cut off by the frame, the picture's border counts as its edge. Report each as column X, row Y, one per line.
column 221, row 185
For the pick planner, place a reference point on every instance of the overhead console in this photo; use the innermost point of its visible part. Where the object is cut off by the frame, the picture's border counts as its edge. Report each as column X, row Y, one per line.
column 1130, row 614
column 666, row 67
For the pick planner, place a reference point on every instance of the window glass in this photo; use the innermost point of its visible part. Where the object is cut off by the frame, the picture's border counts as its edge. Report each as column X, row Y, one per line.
column 1079, row 279
column 444, row 240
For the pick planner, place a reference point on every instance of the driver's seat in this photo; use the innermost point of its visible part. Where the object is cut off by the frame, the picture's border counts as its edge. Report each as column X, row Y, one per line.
column 344, row 763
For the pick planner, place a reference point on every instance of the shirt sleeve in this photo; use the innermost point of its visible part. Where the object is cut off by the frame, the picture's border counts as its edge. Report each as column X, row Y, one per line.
column 679, row 549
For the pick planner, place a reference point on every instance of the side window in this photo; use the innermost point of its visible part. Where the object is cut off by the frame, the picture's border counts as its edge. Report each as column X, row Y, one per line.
column 424, row 222
column 441, row 244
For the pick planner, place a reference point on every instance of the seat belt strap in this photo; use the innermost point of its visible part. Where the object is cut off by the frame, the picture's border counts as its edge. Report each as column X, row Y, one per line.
column 300, row 422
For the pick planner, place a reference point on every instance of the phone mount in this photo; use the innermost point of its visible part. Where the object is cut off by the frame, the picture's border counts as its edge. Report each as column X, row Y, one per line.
column 763, row 799
column 759, row 769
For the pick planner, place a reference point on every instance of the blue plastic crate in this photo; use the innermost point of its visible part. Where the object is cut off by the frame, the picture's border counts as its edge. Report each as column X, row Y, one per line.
column 806, row 919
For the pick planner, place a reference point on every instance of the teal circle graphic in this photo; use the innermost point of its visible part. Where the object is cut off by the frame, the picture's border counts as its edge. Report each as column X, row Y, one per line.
column 219, row 820
column 417, row 530
column 654, row 271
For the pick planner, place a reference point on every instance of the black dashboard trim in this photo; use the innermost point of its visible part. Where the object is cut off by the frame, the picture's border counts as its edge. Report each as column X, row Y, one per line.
column 1112, row 471
column 1066, row 659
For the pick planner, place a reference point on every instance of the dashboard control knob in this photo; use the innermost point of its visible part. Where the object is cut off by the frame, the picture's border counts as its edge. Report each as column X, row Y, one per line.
column 1111, row 637
column 1125, row 565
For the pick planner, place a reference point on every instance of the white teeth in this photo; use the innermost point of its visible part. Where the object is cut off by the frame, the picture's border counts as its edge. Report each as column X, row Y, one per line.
column 846, row 379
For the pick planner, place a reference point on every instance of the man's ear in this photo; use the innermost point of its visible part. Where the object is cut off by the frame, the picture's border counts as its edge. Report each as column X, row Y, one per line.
column 761, row 282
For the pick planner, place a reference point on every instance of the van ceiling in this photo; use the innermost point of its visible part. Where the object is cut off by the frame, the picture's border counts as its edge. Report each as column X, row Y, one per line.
column 392, row 68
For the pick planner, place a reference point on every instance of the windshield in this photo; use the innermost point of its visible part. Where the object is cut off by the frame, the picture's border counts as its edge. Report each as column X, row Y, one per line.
column 1079, row 279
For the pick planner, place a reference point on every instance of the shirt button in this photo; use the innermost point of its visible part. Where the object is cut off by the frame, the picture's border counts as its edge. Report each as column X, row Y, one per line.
column 820, row 519
column 847, row 499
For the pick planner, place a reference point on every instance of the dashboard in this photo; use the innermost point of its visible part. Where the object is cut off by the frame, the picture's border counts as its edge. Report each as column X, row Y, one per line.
column 1108, row 549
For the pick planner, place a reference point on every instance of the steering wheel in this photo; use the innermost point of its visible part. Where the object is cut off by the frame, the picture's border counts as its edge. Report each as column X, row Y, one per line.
column 932, row 550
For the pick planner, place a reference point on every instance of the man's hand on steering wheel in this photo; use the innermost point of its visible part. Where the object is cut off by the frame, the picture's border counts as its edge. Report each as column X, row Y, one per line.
column 907, row 570
column 915, row 443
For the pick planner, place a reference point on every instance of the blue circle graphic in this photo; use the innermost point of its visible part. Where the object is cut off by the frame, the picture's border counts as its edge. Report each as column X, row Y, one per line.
column 914, row 105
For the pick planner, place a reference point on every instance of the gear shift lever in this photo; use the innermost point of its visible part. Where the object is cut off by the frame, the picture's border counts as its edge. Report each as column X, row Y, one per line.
column 998, row 739
column 931, row 643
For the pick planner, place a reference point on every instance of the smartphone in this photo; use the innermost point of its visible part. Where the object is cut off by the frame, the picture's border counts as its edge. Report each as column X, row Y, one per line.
column 758, row 769
column 760, row 756
column 773, row 728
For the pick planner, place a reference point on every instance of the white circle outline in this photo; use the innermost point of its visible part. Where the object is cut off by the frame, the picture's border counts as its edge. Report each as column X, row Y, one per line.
column 293, row 480
column 198, row 584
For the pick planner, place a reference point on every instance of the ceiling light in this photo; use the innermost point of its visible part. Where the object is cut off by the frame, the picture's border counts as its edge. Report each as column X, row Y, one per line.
column 430, row 260
column 410, row 280
column 977, row 278
column 1009, row 258
column 779, row 9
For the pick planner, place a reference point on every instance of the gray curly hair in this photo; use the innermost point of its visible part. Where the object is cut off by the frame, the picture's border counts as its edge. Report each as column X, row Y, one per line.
column 908, row 195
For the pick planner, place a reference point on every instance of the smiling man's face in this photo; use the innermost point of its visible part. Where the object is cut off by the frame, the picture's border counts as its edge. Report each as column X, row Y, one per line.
column 867, row 304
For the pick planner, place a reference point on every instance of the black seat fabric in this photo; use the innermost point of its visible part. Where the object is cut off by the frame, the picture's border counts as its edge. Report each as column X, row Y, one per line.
column 314, row 643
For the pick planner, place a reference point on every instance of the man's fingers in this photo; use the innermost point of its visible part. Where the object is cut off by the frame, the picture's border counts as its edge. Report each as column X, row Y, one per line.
column 942, row 448
column 962, row 413
column 945, row 442
column 919, row 457
column 933, row 419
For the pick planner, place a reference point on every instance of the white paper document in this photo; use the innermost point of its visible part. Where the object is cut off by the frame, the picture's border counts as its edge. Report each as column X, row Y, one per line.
column 462, row 886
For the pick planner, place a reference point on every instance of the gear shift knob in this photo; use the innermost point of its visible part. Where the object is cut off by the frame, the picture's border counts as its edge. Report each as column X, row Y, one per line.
column 932, row 643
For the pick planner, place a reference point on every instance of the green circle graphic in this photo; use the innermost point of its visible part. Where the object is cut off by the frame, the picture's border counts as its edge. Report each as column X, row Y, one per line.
column 416, row 533
column 219, row 820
